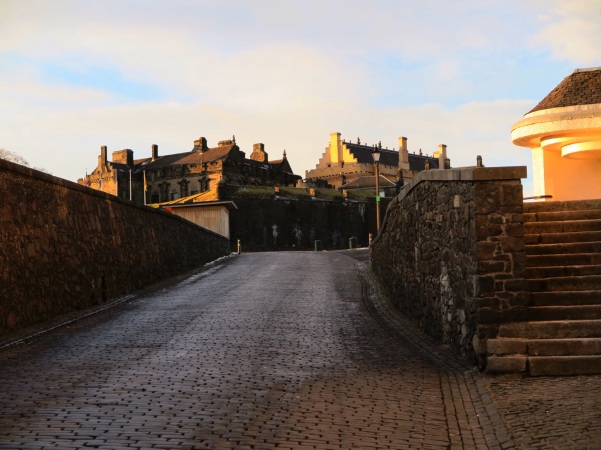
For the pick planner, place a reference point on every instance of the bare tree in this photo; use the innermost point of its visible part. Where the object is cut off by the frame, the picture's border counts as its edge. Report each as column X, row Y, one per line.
column 18, row 159
column 13, row 157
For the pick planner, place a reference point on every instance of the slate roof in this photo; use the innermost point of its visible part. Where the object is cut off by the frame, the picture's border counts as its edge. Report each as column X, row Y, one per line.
column 581, row 87
column 367, row 182
column 195, row 157
column 363, row 153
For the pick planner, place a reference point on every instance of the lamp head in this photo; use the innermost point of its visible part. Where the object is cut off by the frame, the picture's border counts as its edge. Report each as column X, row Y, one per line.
column 376, row 155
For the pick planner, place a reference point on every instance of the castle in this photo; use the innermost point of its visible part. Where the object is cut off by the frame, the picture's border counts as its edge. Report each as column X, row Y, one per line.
column 346, row 164
column 160, row 179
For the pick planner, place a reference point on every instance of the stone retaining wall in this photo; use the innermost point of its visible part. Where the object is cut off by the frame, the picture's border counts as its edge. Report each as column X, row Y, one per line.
column 65, row 247
column 451, row 254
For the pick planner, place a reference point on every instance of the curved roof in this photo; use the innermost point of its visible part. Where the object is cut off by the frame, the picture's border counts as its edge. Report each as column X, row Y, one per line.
column 581, row 87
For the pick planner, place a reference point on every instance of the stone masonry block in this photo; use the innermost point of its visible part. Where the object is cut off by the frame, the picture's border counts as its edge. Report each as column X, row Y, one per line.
column 485, row 250
column 512, row 195
column 511, row 244
column 487, row 198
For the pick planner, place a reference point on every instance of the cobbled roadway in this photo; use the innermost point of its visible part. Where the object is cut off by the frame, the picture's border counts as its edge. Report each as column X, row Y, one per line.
column 267, row 350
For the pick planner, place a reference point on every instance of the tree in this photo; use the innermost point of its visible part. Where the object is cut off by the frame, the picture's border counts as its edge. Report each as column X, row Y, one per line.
column 13, row 157
column 18, row 159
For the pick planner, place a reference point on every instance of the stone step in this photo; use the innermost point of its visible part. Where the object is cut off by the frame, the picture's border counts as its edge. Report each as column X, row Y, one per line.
column 567, row 226
column 570, row 205
column 557, row 216
column 563, row 249
column 507, row 346
column 564, row 347
column 562, row 271
column 565, row 298
column 565, row 329
column 561, row 260
column 565, row 237
column 573, row 283
column 564, row 365
column 506, row 364
column 569, row 312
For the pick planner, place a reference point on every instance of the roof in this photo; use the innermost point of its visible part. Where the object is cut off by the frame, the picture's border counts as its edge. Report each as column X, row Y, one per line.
column 367, row 182
column 194, row 157
column 581, row 87
column 364, row 153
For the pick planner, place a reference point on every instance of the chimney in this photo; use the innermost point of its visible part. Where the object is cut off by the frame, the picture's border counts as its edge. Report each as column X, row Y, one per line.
column 103, row 158
column 201, row 144
column 442, row 156
column 403, row 154
column 125, row 156
column 155, row 152
column 259, row 153
column 335, row 148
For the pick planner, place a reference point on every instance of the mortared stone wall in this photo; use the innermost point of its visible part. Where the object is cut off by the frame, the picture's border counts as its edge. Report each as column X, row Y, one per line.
column 65, row 247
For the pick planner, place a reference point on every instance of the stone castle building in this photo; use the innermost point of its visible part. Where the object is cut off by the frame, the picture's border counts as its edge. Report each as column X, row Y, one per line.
column 564, row 134
column 346, row 163
column 160, row 179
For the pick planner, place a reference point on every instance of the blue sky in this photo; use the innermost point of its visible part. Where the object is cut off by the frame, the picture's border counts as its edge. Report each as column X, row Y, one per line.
column 76, row 75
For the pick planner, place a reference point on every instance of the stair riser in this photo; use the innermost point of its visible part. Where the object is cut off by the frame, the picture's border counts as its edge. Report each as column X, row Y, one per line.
column 570, row 205
column 562, row 238
column 563, row 249
column 584, row 259
column 557, row 216
column 564, row 347
column 552, row 330
column 565, row 298
column 548, row 313
column 562, row 271
column 587, row 283
column 574, row 226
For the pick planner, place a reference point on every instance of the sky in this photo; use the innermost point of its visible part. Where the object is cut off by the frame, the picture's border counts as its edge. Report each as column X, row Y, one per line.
column 76, row 75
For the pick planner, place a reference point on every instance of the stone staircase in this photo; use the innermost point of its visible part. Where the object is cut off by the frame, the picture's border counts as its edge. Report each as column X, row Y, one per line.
column 563, row 273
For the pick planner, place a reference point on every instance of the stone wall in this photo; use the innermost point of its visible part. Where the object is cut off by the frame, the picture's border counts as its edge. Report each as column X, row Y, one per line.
column 65, row 247
column 451, row 254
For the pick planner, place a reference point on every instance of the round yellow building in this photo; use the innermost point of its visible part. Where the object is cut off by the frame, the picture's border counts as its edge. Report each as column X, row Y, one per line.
column 564, row 133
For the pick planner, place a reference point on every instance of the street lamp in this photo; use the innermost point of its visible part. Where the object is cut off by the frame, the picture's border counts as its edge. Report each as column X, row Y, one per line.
column 376, row 155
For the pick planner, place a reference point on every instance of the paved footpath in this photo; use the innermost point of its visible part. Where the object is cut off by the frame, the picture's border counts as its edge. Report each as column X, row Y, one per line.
column 267, row 350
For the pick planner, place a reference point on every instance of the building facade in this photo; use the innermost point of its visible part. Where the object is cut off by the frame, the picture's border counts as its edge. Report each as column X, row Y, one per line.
column 564, row 134
column 344, row 162
column 160, row 179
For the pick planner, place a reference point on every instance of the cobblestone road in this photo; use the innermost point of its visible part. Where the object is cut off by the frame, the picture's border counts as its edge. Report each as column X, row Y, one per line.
column 272, row 350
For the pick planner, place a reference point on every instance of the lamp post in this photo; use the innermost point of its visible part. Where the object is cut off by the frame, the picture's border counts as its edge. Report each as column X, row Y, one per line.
column 376, row 156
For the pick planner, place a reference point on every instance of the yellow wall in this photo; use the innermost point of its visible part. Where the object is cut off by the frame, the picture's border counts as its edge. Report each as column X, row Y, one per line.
column 566, row 150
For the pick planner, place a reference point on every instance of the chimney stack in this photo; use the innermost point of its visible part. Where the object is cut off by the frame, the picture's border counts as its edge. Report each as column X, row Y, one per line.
column 201, row 144
column 442, row 156
column 155, row 152
column 103, row 158
column 259, row 153
column 403, row 154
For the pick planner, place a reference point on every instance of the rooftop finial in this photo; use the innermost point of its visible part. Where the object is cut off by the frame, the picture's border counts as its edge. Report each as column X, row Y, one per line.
column 233, row 138
column 358, row 141
column 284, row 153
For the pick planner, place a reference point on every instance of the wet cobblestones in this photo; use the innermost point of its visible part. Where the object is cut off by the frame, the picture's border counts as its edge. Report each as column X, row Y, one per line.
column 272, row 350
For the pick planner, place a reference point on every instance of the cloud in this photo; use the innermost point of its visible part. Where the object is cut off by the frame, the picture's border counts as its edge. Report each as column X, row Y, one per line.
column 132, row 73
column 572, row 32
